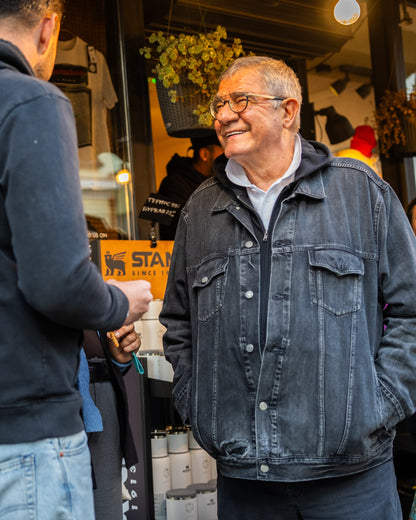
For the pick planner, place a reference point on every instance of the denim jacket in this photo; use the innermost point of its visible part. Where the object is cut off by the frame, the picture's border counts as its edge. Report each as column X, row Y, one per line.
column 281, row 363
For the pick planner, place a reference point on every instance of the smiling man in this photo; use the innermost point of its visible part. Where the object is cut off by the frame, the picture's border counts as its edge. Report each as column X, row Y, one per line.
column 275, row 307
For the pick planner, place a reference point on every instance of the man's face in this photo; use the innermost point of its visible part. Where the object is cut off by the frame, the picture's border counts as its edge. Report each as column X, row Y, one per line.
column 214, row 151
column 256, row 130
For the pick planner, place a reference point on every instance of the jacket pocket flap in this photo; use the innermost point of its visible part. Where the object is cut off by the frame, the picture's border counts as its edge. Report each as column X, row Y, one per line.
column 207, row 271
column 336, row 260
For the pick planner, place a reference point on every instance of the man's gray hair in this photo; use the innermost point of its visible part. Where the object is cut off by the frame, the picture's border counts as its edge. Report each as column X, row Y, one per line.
column 278, row 78
column 30, row 12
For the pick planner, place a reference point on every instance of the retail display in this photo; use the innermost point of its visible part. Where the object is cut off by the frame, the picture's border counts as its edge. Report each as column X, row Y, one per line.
column 178, row 463
column 81, row 72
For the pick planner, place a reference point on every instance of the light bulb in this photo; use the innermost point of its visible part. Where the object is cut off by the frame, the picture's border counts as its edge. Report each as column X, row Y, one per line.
column 123, row 176
column 347, row 12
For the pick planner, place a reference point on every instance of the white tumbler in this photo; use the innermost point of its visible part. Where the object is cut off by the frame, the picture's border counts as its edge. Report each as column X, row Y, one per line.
column 201, row 465
column 206, row 496
column 177, row 441
column 160, row 472
column 181, row 504
column 180, row 469
column 161, row 484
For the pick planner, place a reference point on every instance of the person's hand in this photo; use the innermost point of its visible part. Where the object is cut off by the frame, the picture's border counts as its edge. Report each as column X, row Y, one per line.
column 139, row 294
column 128, row 340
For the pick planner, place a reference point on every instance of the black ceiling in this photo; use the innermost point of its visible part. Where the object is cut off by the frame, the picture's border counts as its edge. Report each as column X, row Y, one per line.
column 288, row 29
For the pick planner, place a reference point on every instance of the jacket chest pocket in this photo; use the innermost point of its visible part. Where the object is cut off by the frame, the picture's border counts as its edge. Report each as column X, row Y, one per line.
column 335, row 280
column 209, row 284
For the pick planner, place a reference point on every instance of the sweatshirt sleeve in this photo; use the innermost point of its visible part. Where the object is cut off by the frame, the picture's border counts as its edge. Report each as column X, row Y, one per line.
column 46, row 217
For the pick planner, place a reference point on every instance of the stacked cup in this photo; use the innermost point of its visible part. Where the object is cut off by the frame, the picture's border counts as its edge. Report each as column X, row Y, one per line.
column 206, row 498
column 180, row 458
column 201, row 461
column 160, row 472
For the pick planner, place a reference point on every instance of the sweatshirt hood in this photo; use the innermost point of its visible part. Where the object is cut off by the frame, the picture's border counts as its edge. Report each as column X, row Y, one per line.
column 12, row 57
column 183, row 166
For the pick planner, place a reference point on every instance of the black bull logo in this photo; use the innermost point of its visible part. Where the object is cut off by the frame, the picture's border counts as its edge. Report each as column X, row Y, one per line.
column 115, row 263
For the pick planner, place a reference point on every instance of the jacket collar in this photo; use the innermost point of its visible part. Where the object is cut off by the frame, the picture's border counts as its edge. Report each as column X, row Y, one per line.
column 11, row 57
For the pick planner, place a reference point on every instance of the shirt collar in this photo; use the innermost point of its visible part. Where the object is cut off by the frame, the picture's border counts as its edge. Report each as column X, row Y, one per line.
column 237, row 175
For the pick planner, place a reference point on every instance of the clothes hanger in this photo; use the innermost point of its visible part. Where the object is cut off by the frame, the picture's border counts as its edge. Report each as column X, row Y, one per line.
column 66, row 35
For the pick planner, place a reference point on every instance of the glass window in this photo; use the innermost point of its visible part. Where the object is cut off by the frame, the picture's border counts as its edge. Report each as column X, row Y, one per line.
column 89, row 70
column 409, row 43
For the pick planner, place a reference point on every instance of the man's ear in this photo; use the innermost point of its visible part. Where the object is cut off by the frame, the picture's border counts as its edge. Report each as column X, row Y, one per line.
column 46, row 28
column 291, row 108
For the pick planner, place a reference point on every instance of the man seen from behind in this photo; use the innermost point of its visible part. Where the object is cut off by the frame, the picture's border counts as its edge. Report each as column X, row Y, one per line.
column 49, row 290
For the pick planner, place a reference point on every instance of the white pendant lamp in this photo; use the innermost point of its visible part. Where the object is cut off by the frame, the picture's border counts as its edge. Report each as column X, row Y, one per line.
column 347, row 12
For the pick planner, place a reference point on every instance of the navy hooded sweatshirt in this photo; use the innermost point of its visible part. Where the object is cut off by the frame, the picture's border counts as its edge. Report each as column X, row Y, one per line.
column 49, row 289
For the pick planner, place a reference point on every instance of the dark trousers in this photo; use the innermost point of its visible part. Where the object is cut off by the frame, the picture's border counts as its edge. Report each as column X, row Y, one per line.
column 370, row 495
column 404, row 457
column 106, row 455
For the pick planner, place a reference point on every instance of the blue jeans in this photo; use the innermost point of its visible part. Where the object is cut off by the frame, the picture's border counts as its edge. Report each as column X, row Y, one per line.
column 370, row 495
column 48, row 479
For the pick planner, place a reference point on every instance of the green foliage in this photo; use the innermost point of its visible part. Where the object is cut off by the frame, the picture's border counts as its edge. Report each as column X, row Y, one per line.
column 389, row 117
column 199, row 57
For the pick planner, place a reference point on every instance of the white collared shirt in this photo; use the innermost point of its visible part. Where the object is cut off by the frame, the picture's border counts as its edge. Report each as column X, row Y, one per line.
column 264, row 201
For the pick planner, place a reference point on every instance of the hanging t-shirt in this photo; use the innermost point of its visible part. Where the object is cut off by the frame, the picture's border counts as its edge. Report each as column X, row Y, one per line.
column 81, row 72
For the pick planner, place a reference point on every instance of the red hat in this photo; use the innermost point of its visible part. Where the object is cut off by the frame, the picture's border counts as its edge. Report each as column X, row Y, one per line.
column 364, row 140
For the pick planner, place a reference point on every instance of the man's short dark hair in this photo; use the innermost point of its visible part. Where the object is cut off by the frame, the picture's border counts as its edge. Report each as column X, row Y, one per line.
column 205, row 140
column 30, row 11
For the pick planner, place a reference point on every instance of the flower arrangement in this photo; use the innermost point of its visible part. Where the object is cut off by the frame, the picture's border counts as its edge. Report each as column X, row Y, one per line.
column 200, row 58
column 395, row 114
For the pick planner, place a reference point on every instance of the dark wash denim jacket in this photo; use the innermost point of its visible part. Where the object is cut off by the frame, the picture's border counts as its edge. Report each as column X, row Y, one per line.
column 322, row 395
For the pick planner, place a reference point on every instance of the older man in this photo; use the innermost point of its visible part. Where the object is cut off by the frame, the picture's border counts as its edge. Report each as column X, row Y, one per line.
column 49, row 290
column 274, row 311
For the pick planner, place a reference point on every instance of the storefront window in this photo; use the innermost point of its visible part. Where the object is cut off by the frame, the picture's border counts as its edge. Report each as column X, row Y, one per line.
column 409, row 43
column 88, row 69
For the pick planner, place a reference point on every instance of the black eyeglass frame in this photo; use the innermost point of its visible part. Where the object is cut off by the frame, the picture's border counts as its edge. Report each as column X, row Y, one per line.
column 215, row 105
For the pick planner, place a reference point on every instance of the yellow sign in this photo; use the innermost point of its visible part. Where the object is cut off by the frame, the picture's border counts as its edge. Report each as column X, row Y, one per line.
column 134, row 260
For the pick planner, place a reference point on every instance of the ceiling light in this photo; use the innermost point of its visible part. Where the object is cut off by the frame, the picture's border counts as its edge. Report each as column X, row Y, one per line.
column 123, row 176
column 339, row 85
column 364, row 90
column 347, row 12
column 337, row 127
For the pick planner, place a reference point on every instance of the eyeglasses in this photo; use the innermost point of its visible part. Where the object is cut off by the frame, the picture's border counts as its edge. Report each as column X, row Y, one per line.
column 237, row 102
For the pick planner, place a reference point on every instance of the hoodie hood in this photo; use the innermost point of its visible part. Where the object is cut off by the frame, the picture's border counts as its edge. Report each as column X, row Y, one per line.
column 183, row 166
column 11, row 57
